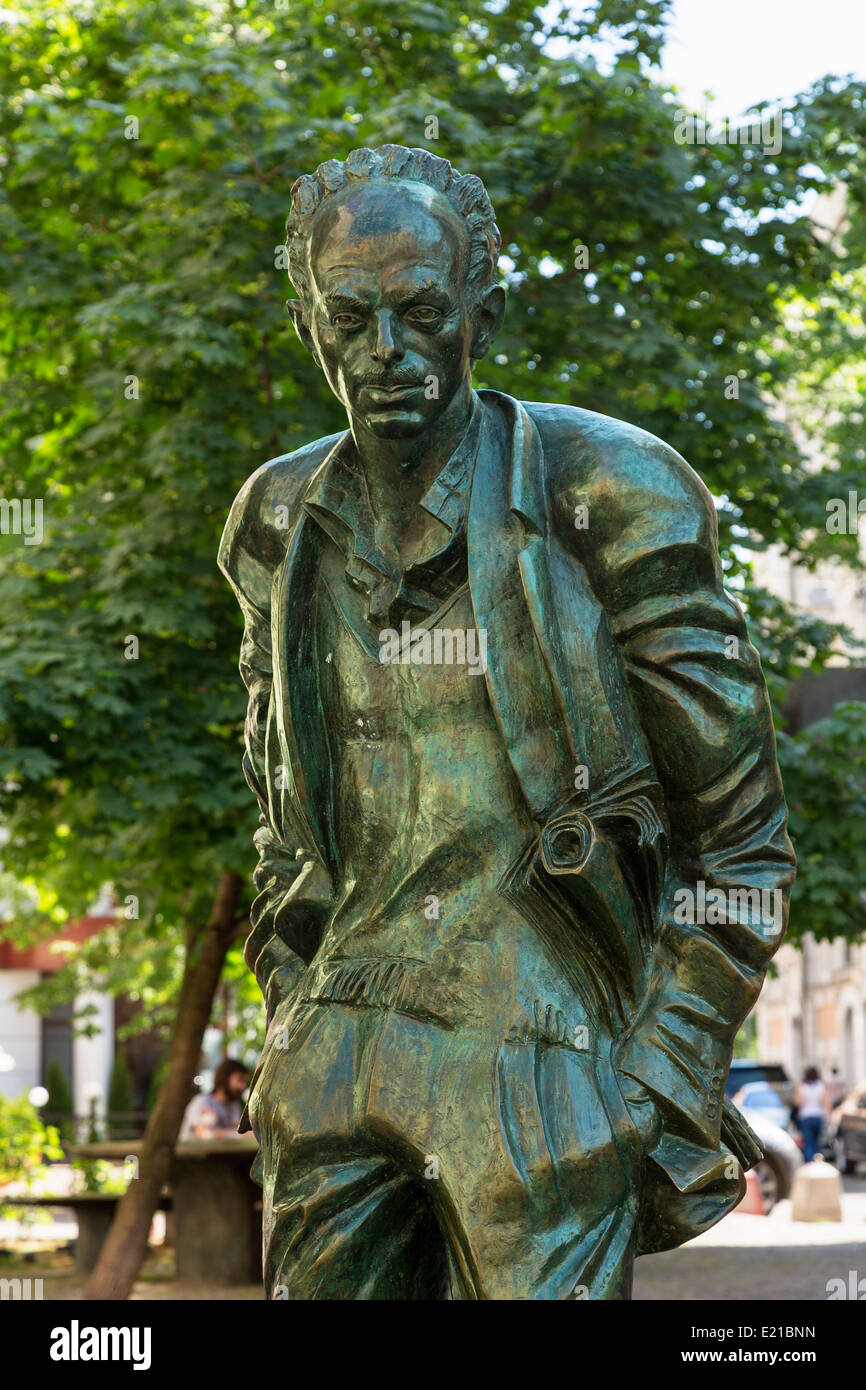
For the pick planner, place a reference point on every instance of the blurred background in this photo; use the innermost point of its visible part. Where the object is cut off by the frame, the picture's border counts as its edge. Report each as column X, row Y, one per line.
column 680, row 191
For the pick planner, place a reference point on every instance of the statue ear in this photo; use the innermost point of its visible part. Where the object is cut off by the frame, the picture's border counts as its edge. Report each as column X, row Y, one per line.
column 296, row 309
column 489, row 313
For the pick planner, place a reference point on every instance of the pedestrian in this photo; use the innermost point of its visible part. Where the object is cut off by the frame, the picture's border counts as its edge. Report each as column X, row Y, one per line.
column 813, row 1110
column 836, row 1088
column 217, row 1115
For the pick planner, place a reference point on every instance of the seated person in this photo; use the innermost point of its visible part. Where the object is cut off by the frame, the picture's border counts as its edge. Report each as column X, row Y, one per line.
column 218, row 1115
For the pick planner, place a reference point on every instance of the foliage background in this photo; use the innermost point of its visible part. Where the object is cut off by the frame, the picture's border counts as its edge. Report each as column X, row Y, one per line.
column 147, row 367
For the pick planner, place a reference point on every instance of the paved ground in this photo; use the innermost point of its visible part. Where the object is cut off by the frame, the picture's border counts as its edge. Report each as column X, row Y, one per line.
column 745, row 1257
column 60, row 1282
column 762, row 1257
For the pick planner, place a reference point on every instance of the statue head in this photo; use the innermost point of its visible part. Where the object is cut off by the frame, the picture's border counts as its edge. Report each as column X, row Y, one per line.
column 393, row 255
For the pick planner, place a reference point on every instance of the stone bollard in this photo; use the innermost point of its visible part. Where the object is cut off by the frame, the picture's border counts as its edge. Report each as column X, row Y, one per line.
column 817, row 1192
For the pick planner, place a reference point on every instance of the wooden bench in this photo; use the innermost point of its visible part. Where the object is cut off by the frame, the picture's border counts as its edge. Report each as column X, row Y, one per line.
column 94, row 1212
column 217, row 1206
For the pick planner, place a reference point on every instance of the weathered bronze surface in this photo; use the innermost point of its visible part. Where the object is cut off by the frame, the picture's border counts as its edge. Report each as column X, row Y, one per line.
column 523, row 858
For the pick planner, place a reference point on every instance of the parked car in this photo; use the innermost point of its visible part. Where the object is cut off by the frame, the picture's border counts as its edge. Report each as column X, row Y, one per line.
column 848, row 1144
column 781, row 1158
column 760, row 1095
column 744, row 1071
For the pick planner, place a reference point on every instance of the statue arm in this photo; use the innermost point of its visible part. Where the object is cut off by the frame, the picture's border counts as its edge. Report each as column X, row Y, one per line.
column 707, row 719
column 699, row 694
column 247, row 556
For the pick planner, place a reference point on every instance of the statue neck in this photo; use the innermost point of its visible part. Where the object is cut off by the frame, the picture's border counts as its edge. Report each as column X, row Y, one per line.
column 403, row 469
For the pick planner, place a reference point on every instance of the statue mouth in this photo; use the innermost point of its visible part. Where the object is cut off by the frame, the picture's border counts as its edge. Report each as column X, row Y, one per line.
column 385, row 395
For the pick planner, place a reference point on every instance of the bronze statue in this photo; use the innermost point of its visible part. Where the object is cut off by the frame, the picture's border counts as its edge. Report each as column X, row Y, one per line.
column 523, row 857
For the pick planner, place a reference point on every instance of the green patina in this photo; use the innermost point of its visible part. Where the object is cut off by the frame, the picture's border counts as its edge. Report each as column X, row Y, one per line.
column 496, row 1054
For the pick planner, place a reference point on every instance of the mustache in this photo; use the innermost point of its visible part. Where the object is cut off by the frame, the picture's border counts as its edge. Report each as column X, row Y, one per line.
column 394, row 378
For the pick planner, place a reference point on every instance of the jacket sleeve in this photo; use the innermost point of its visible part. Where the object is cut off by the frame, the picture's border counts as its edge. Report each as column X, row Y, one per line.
column 699, row 695
column 247, row 556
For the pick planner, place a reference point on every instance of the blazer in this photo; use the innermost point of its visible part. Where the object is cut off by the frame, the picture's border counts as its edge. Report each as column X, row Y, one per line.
column 635, row 715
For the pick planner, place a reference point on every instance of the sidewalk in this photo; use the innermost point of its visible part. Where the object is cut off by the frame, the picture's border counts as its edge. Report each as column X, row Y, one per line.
column 762, row 1257
column 759, row 1258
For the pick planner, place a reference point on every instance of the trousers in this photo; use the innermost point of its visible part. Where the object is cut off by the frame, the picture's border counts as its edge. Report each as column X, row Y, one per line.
column 810, row 1128
column 403, row 1159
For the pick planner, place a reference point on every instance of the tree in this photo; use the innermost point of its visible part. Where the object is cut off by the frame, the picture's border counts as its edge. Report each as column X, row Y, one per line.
column 121, row 1100
column 823, row 771
column 157, row 1080
column 59, row 1108
column 148, row 367
column 126, row 1243
column 25, row 1144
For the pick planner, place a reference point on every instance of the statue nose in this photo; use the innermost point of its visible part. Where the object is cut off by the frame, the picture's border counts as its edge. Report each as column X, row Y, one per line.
column 387, row 348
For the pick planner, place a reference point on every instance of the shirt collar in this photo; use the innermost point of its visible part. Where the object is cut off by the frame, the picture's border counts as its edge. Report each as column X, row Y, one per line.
column 340, row 502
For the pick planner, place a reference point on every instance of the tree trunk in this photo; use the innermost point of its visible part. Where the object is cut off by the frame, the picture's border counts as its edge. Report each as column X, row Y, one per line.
column 125, row 1245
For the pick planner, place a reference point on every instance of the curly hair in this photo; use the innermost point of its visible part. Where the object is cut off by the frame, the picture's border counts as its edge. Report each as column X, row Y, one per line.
column 465, row 192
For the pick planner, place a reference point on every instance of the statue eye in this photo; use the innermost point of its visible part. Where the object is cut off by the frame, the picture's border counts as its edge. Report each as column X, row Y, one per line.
column 346, row 321
column 424, row 314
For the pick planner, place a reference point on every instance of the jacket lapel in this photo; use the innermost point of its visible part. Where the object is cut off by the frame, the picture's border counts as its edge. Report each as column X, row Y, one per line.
column 561, row 700
column 570, row 671
column 522, row 694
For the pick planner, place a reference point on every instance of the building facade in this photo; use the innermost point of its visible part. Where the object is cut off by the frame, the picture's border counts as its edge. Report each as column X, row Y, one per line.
column 812, row 1010
column 29, row 1041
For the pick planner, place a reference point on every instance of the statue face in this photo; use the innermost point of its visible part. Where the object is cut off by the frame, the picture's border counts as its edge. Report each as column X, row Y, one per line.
column 390, row 321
